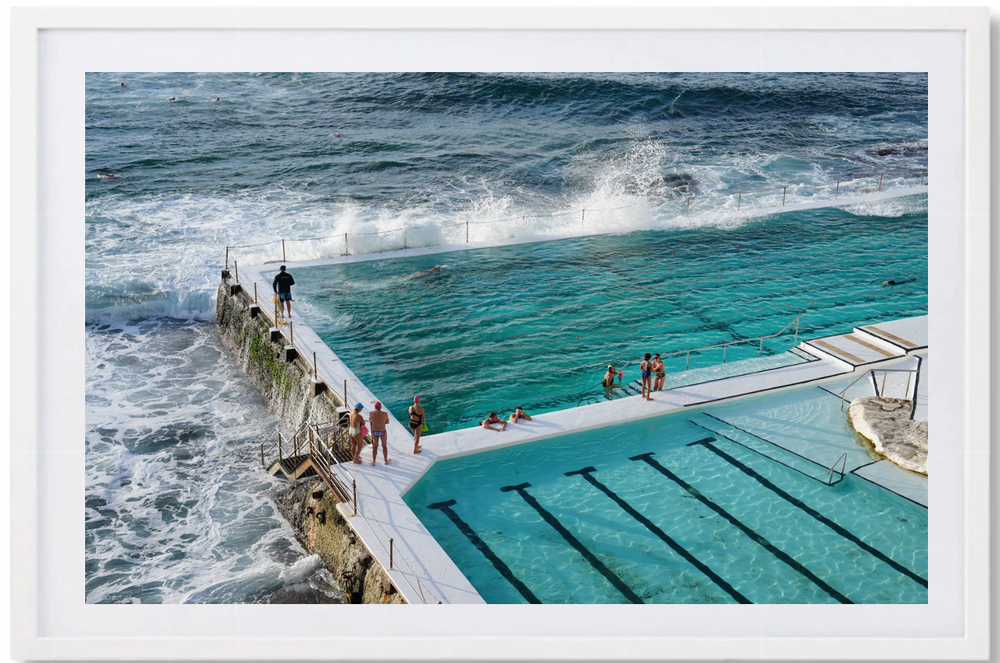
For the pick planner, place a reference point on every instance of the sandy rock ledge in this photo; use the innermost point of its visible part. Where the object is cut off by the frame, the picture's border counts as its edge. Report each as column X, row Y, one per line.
column 886, row 423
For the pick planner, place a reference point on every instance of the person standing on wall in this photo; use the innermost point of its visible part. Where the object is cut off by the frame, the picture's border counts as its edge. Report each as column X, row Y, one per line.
column 379, row 420
column 418, row 421
column 283, row 283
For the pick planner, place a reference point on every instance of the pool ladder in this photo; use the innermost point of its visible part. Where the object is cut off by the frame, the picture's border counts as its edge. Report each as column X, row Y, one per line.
column 843, row 469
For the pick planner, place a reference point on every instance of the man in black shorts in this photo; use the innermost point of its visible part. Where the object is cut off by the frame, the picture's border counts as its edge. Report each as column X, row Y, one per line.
column 283, row 283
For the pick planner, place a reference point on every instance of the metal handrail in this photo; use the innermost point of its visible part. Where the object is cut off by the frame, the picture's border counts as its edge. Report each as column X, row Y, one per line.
column 884, row 371
column 843, row 469
column 742, row 340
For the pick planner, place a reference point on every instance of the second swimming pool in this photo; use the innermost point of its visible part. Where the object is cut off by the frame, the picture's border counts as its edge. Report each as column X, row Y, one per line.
column 699, row 506
column 536, row 324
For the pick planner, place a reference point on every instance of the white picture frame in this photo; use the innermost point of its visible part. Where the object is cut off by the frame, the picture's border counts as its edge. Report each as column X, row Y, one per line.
column 46, row 364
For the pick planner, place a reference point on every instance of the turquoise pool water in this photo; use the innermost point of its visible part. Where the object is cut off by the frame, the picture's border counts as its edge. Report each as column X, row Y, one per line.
column 665, row 511
column 536, row 324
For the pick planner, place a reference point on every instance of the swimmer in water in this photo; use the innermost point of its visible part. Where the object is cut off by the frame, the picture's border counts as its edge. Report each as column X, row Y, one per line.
column 518, row 415
column 609, row 377
column 217, row 100
column 426, row 272
column 171, row 99
column 121, row 85
column 107, row 175
column 898, row 282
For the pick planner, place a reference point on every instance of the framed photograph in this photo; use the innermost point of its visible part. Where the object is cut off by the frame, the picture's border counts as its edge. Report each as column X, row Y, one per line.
column 456, row 311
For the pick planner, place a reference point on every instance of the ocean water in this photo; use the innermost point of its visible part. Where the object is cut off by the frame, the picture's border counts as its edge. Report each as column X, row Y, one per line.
column 177, row 509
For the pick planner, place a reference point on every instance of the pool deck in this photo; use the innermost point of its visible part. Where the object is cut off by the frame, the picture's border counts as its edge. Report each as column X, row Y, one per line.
column 422, row 570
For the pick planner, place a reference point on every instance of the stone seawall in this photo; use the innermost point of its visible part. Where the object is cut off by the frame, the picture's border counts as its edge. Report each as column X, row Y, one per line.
column 289, row 390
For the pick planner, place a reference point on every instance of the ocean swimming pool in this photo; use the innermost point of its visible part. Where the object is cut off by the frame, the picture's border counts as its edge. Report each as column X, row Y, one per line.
column 706, row 505
column 536, row 324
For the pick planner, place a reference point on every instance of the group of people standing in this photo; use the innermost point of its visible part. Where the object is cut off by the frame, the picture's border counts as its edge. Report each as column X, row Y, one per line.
column 379, row 420
column 652, row 372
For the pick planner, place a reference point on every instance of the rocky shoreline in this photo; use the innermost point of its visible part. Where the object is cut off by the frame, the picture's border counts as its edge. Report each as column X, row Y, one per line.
column 886, row 423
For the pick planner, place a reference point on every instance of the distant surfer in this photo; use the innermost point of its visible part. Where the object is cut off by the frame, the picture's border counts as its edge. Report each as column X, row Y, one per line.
column 171, row 99
column 217, row 100
column 426, row 272
column 885, row 283
column 283, row 283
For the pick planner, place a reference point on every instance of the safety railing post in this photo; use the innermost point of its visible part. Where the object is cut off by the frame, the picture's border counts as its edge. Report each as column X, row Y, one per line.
column 404, row 237
column 724, row 349
column 354, row 490
column 783, row 195
column 254, row 292
column 687, row 212
column 688, row 364
column 796, row 341
column 583, row 216
column 922, row 173
column 236, row 264
column 291, row 331
column 761, row 353
column 880, row 181
column 346, row 250
column 283, row 258
column 345, row 393
column 315, row 368
column 837, row 193
column 739, row 201
column 390, row 553
column 280, row 452
column 466, row 232
column 227, row 248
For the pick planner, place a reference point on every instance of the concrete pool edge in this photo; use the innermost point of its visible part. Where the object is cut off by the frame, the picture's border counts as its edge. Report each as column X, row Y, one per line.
column 430, row 575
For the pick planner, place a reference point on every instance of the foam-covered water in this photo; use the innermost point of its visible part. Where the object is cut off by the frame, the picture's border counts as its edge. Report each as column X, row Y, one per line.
column 301, row 156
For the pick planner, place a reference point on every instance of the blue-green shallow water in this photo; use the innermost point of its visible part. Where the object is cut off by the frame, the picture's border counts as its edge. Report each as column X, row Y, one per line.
column 786, row 554
column 536, row 325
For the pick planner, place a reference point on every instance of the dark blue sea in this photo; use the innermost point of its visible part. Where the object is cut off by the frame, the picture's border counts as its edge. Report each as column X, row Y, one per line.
column 177, row 508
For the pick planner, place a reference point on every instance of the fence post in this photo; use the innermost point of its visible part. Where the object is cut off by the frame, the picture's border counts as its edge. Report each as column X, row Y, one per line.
column 880, row 181
column 739, row 201
column 390, row 553
column 688, row 364
column 346, row 250
column 315, row 369
column 354, row 490
column 291, row 331
column 687, row 212
column 345, row 393
column 254, row 292
column 466, row 232
column 837, row 194
column 236, row 264
column 404, row 237
column 583, row 216
column 761, row 353
column 922, row 173
column 724, row 349
column 283, row 258
column 783, row 194
column 227, row 248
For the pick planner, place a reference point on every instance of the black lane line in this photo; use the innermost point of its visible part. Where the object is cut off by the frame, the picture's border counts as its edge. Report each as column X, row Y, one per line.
column 630, row 510
column 815, row 514
column 764, row 439
column 573, row 541
column 481, row 546
column 760, row 540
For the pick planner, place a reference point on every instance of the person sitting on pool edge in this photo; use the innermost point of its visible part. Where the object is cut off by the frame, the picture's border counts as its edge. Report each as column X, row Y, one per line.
column 494, row 419
column 518, row 415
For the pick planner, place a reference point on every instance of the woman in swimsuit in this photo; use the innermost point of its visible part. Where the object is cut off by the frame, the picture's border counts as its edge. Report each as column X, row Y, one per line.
column 354, row 430
column 417, row 419
column 659, row 372
column 646, row 367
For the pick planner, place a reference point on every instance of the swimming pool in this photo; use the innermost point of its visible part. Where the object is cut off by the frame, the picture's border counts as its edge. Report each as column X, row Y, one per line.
column 536, row 324
column 707, row 505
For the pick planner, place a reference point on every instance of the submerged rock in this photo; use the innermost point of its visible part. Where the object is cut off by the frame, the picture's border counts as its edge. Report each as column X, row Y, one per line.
column 886, row 423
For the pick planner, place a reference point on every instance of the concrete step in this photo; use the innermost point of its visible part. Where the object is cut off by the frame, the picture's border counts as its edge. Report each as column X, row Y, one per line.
column 852, row 349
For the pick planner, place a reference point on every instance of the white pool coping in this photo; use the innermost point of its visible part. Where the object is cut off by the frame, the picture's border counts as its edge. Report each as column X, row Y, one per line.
column 422, row 570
